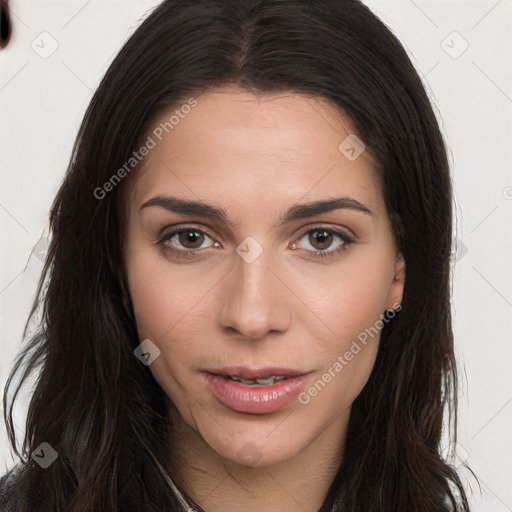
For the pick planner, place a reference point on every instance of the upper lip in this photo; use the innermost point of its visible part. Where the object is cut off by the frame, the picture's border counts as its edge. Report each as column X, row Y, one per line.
column 244, row 372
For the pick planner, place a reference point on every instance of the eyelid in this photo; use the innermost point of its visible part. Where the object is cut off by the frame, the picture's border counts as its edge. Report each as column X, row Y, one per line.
column 170, row 231
column 175, row 229
column 335, row 230
column 347, row 241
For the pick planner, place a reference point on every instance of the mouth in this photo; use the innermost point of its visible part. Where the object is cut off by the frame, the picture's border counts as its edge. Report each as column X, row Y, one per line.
column 266, row 381
column 258, row 391
column 257, row 377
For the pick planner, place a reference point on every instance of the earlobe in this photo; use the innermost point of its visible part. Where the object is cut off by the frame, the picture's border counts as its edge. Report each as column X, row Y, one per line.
column 397, row 286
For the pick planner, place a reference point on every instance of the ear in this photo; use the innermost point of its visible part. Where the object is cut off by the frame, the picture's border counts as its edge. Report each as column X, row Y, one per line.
column 397, row 286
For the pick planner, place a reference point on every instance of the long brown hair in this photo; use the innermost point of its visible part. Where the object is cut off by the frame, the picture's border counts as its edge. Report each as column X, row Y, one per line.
column 96, row 405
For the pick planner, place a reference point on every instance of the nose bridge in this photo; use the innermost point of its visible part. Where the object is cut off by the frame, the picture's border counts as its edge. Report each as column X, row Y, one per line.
column 254, row 303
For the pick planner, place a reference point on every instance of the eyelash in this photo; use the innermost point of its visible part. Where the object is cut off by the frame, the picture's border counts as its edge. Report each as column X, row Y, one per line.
column 192, row 253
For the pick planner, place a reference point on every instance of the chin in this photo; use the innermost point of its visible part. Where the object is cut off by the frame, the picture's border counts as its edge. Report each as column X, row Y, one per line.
column 257, row 454
column 253, row 443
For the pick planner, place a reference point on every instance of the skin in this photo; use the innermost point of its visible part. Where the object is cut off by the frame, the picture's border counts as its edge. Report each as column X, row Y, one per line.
column 256, row 157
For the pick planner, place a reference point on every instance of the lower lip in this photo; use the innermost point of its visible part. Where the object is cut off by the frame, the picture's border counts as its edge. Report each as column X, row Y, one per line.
column 255, row 399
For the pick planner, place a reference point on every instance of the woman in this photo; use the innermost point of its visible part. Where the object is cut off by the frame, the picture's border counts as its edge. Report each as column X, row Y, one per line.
column 247, row 292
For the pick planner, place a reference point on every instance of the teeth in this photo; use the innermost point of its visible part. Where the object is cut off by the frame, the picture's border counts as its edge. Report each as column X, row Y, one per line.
column 262, row 382
column 266, row 382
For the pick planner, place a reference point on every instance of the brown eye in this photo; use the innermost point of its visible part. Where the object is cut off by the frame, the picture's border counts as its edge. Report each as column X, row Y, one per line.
column 320, row 239
column 324, row 243
column 186, row 241
column 191, row 239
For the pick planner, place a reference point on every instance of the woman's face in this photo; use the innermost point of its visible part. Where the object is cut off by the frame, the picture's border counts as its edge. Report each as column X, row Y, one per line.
column 239, row 268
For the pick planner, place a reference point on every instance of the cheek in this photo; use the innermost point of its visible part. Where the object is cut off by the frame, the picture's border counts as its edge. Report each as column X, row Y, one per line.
column 167, row 319
column 337, row 302
column 164, row 312
column 161, row 295
column 173, row 309
column 349, row 304
column 346, row 355
column 349, row 298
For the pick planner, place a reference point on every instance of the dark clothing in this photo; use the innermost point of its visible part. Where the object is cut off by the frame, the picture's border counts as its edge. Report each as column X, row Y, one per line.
column 11, row 491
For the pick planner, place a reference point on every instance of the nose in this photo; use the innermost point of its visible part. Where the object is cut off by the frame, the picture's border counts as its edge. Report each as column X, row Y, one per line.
column 255, row 299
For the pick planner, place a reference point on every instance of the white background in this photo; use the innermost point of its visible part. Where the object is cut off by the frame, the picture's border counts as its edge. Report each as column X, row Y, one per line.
column 42, row 101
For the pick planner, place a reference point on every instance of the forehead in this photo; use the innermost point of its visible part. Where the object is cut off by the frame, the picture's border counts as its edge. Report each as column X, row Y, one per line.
column 237, row 147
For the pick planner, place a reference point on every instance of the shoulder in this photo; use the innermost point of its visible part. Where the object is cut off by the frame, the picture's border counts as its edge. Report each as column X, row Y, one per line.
column 22, row 489
column 11, row 489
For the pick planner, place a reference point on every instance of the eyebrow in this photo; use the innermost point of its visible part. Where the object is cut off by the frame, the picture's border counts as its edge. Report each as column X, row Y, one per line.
column 298, row 211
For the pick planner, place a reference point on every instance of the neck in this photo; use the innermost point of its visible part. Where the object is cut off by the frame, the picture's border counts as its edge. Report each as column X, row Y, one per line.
column 220, row 485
